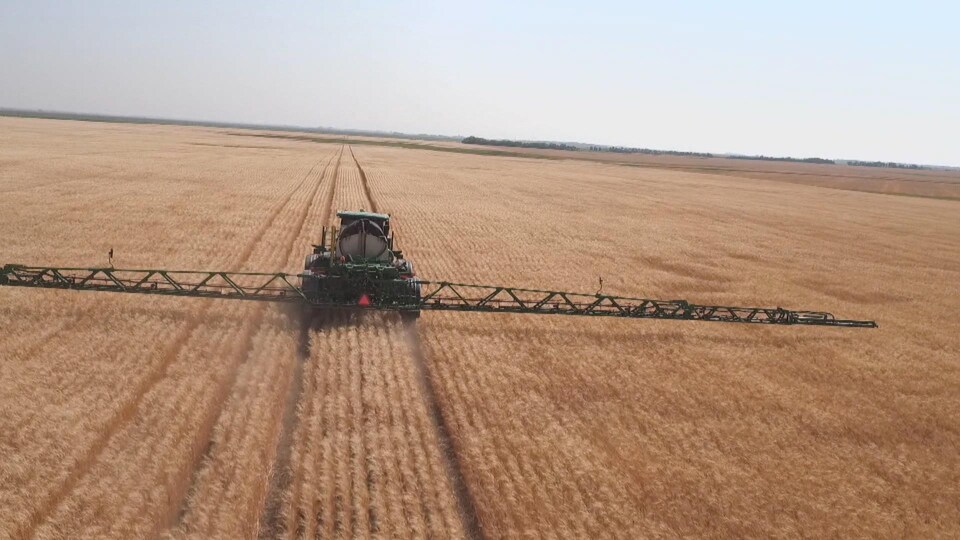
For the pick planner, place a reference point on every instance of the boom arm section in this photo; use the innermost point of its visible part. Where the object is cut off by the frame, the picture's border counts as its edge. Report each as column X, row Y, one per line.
column 276, row 287
column 461, row 297
column 433, row 296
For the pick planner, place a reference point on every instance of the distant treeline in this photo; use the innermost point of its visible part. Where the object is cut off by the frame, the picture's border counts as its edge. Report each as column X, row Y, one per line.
column 795, row 160
column 519, row 144
column 629, row 150
column 886, row 164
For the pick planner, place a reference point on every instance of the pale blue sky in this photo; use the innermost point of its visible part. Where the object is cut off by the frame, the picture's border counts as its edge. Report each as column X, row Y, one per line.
column 858, row 80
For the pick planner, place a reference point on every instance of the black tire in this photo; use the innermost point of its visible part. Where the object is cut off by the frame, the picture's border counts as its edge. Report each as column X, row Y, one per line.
column 413, row 292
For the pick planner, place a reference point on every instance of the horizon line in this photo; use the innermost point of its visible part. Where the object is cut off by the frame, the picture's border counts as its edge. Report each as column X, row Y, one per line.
column 55, row 114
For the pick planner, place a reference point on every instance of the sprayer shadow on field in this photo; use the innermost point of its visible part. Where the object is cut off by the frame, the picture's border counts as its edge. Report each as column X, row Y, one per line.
column 327, row 319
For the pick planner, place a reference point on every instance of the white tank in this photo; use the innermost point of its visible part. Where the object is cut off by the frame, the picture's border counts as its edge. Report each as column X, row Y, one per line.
column 365, row 240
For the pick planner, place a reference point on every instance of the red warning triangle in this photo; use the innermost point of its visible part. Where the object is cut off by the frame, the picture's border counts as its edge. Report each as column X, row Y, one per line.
column 364, row 300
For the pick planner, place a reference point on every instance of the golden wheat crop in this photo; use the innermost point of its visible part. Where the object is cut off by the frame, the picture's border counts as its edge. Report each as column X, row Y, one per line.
column 593, row 427
column 125, row 416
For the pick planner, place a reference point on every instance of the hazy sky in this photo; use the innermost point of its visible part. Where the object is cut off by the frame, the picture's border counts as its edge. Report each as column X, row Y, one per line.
column 831, row 79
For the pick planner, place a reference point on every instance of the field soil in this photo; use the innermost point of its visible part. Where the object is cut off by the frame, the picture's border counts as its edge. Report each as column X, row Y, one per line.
column 126, row 416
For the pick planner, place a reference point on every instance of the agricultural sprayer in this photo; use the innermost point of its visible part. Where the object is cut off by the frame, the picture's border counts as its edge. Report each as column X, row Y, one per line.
column 357, row 266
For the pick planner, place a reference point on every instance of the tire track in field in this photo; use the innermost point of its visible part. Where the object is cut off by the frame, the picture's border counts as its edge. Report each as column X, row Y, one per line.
column 328, row 202
column 363, row 181
column 249, row 333
column 271, row 517
column 127, row 412
column 248, row 250
column 466, row 507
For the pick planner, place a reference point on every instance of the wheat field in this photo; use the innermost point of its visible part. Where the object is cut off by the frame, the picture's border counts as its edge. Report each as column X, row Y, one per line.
column 126, row 416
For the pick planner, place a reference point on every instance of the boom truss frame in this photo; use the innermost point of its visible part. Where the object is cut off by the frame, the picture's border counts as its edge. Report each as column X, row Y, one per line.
column 436, row 296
